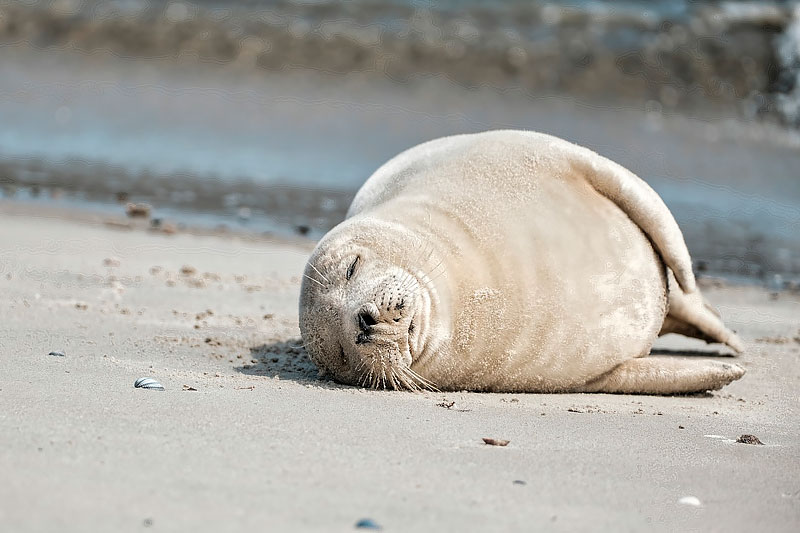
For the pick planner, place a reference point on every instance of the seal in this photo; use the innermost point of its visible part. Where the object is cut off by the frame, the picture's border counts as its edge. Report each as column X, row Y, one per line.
column 507, row 261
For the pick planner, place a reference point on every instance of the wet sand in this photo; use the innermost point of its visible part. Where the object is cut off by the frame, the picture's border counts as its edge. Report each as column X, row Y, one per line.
column 245, row 436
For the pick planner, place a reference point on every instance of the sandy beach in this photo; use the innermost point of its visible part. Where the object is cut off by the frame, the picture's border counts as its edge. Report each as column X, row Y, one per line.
column 245, row 437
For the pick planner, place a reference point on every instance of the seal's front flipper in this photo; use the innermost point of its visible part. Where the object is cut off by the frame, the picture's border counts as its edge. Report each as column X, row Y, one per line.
column 665, row 375
column 691, row 315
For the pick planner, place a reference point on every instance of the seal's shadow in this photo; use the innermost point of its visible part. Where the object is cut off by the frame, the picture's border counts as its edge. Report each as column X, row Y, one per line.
column 284, row 360
column 692, row 353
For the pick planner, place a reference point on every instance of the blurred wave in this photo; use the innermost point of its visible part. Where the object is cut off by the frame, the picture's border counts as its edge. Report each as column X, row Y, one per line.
column 268, row 115
column 740, row 57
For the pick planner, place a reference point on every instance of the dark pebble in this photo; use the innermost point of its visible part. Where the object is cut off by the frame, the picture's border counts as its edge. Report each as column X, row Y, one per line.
column 57, row 353
column 749, row 439
column 520, row 482
column 368, row 523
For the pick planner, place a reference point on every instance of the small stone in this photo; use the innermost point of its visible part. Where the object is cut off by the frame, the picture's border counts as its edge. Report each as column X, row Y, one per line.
column 138, row 210
column 520, row 482
column 57, row 353
column 368, row 523
column 188, row 270
column 749, row 439
column 495, row 442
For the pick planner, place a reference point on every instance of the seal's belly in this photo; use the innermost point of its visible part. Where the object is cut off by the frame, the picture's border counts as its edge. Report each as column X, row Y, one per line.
column 563, row 287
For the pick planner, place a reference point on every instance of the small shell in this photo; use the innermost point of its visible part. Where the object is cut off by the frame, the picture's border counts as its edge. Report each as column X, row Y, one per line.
column 148, row 383
column 496, row 442
column 58, row 353
column 692, row 501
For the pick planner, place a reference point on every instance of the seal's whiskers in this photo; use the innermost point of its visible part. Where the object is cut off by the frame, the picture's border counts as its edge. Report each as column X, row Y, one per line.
column 320, row 273
column 314, row 280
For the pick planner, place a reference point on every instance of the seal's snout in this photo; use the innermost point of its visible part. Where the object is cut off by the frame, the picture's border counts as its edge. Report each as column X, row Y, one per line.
column 372, row 321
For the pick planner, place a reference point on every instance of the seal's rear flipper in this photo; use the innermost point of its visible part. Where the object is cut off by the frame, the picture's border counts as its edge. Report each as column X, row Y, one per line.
column 691, row 315
column 665, row 375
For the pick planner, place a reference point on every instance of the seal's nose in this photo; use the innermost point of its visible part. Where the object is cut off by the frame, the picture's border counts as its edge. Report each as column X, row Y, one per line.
column 366, row 321
column 366, row 317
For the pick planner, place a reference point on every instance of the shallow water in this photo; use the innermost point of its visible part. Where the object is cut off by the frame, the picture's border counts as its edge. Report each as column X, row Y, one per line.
column 189, row 136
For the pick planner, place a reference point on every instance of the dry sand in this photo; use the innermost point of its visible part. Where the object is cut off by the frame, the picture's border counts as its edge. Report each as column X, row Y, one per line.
column 262, row 445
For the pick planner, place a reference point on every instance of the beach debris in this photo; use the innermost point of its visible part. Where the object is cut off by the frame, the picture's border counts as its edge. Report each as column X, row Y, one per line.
column 138, row 210
column 495, row 442
column 520, row 482
column 187, row 387
column 169, row 229
column 692, row 501
column 749, row 439
column 148, row 383
column 368, row 523
column 188, row 270
column 302, row 229
column 57, row 353
column 81, row 306
column 449, row 406
column 116, row 224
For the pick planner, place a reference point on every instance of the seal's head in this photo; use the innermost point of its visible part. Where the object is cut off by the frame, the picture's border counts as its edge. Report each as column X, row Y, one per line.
column 363, row 316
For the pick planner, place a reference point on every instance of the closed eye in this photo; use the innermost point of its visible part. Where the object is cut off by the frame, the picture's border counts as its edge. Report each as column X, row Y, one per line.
column 351, row 270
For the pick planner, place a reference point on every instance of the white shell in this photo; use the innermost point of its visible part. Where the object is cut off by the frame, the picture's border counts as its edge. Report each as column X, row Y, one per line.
column 693, row 501
column 148, row 383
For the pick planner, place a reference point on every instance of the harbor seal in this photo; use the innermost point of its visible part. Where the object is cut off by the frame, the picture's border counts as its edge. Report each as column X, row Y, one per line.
column 506, row 261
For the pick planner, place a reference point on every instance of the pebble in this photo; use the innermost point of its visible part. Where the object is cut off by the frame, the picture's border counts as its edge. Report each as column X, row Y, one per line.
column 148, row 383
column 749, row 439
column 188, row 270
column 138, row 210
column 495, row 442
column 368, row 523
column 57, row 353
